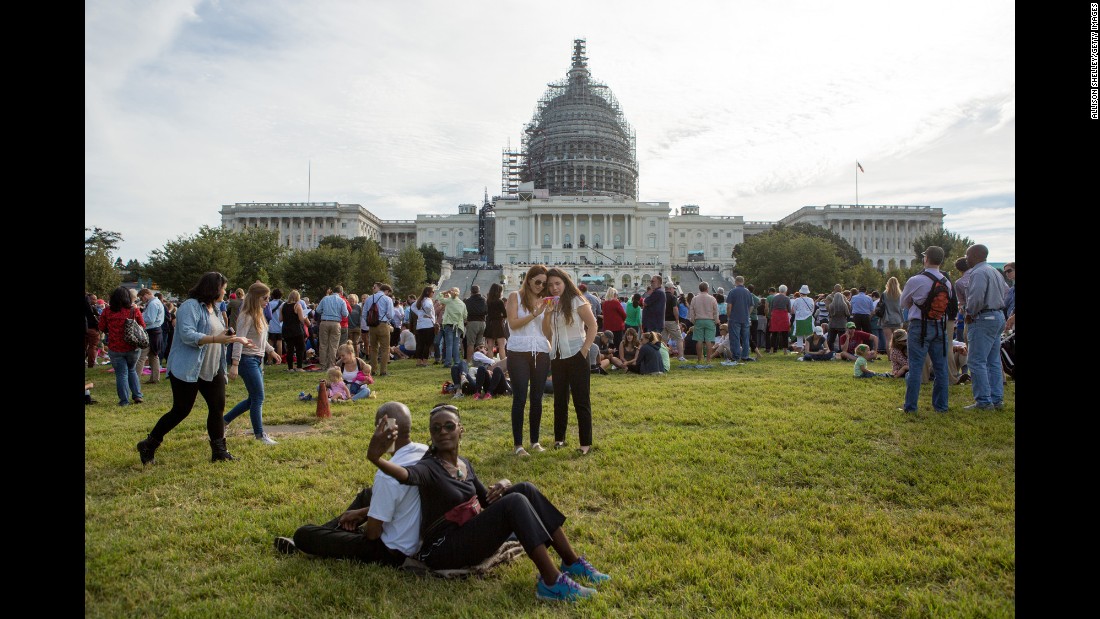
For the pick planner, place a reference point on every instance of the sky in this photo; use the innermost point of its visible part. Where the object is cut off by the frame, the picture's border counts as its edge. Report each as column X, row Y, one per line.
column 742, row 107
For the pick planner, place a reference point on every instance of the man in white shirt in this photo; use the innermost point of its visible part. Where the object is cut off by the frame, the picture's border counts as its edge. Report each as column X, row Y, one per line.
column 390, row 510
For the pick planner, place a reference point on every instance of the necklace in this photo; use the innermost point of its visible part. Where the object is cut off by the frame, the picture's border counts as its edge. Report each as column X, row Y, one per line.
column 447, row 466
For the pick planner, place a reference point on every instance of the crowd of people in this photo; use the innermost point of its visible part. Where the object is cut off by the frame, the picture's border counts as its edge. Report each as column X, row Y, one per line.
column 550, row 336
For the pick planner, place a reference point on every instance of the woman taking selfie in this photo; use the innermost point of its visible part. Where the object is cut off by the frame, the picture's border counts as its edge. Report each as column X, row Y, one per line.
column 571, row 327
column 528, row 355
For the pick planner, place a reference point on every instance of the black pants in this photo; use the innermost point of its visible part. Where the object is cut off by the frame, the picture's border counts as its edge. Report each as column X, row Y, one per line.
column 863, row 322
column 154, row 343
column 572, row 375
column 524, row 511
column 618, row 337
column 493, row 384
column 294, row 347
column 424, row 339
column 528, row 373
column 753, row 324
column 833, row 334
column 329, row 540
column 183, row 400
column 778, row 340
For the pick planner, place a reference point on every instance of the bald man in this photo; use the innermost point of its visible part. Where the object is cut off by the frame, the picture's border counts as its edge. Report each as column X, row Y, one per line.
column 985, row 320
column 391, row 512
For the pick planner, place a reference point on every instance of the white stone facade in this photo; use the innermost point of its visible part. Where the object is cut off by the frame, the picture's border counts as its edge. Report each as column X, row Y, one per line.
column 302, row 225
column 450, row 234
column 881, row 233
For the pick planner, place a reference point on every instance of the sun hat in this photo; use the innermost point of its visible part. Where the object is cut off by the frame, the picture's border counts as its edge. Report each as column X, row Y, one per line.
column 804, row 289
column 900, row 336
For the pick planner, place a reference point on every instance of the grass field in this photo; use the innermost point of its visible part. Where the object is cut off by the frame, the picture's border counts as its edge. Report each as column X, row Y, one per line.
column 772, row 489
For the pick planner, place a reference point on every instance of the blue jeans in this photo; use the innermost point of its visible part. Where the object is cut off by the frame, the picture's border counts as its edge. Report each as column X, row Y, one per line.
column 126, row 375
column 983, row 342
column 452, row 344
column 251, row 371
column 933, row 346
column 739, row 340
column 437, row 344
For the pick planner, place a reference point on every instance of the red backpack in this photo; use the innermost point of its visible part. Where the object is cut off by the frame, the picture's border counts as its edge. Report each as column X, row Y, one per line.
column 939, row 305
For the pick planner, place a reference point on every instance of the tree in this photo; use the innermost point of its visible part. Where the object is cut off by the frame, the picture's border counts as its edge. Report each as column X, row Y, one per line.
column 786, row 257
column 864, row 274
column 259, row 253
column 848, row 254
column 334, row 242
column 433, row 261
column 107, row 240
column 954, row 246
column 181, row 262
column 133, row 270
column 409, row 273
column 100, row 277
column 370, row 267
column 313, row 271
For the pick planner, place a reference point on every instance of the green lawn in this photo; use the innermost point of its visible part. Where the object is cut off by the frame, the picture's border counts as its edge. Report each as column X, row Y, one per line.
column 773, row 489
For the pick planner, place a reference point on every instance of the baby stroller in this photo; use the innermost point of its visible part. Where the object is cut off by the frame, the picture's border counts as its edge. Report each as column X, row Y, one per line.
column 1008, row 353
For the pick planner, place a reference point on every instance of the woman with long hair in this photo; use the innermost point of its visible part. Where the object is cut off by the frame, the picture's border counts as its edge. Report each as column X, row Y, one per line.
column 528, row 355
column 614, row 316
column 571, row 328
column 424, row 311
column 249, row 364
column 496, row 322
column 123, row 356
column 464, row 522
column 628, row 351
column 197, row 365
column 892, row 320
column 293, row 319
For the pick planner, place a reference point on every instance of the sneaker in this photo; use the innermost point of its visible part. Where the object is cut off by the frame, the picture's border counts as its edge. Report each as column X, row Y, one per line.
column 265, row 439
column 285, row 545
column 978, row 407
column 583, row 569
column 520, row 451
column 536, row 448
column 999, row 406
column 477, row 396
column 729, row 363
column 564, row 589
column 681, row 359
column 458, row 396
column 800, row 359
column 744, row 359
column 487, row 396
column 559, row 444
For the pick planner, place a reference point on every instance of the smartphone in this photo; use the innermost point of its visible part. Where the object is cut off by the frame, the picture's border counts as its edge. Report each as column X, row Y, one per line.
column 231, row 331
column 391, row 424
column 551, row 300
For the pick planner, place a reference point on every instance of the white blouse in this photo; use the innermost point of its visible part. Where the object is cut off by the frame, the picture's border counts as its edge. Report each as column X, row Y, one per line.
column 568, row 338
column 529, row 337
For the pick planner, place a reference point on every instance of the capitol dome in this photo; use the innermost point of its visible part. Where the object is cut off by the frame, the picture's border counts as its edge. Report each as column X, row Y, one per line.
column 578, row 142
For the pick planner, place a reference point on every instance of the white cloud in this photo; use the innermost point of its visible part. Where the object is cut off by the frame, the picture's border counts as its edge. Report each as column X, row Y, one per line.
column 743, row 108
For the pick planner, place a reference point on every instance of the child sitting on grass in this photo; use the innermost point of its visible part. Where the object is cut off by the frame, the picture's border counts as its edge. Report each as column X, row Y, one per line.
column 899, row 353
column 337, row 390
column 863, row 354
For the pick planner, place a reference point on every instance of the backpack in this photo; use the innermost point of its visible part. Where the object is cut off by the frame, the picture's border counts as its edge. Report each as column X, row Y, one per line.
column 133, row 333
column 938, row 305
column 372, row 314
column 880, row 309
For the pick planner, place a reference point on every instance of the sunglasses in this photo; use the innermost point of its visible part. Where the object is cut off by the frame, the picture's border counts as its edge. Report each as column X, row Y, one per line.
column 538, row 282
column 449, row 426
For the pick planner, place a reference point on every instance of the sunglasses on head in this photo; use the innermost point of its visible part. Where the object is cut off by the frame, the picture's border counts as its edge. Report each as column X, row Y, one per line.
column 449, row 426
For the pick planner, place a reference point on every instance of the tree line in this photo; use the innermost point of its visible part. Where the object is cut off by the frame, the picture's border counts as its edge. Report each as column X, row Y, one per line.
column 255, row 254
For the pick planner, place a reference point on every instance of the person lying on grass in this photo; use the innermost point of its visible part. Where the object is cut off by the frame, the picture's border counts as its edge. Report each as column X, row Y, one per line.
column 390, row 511
column 463, row 522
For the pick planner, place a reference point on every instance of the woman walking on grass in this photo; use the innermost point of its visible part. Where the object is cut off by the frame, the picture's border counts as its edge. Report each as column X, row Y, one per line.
column 197, row 365
column 123, row 356
column 249, row 364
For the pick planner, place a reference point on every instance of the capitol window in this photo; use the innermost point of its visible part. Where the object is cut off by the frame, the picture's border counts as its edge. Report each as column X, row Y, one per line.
column 444, row 233
column 652, row 223
column 512, row 222
column 511, row 240
column 459, row 233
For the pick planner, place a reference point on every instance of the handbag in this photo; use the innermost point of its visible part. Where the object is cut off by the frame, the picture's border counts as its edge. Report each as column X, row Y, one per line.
column 133, row 333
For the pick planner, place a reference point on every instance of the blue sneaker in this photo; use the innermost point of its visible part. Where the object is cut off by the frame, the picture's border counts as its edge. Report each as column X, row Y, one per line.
column 583, row 569
column 563, row 590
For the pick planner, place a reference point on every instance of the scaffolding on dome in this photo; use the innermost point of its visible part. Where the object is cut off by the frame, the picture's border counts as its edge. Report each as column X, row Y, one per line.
column 578, row 141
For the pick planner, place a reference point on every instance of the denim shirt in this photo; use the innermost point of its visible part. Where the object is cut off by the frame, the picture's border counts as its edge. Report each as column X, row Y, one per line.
column 185, row 358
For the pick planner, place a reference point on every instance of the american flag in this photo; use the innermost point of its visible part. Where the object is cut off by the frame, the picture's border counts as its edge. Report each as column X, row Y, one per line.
column 860, row 167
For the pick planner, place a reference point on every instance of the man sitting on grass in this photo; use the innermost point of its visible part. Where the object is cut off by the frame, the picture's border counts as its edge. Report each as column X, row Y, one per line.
column 853, row 338
column 391, row 512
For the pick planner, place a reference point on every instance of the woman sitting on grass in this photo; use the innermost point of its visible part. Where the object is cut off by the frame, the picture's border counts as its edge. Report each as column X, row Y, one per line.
column 464, row 522
column 899, row 353
column 863, row 355
column 817, row 346
column 350, row 367
column 628, row 351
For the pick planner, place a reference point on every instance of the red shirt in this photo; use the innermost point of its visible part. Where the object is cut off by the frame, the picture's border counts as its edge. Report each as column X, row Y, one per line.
column 614, row 317
column 855, row 339
column 113, row 322
column 344, row 319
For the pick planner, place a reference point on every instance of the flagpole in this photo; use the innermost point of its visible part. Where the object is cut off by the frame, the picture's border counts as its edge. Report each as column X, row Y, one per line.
column 309, row 183
column 857, row 184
